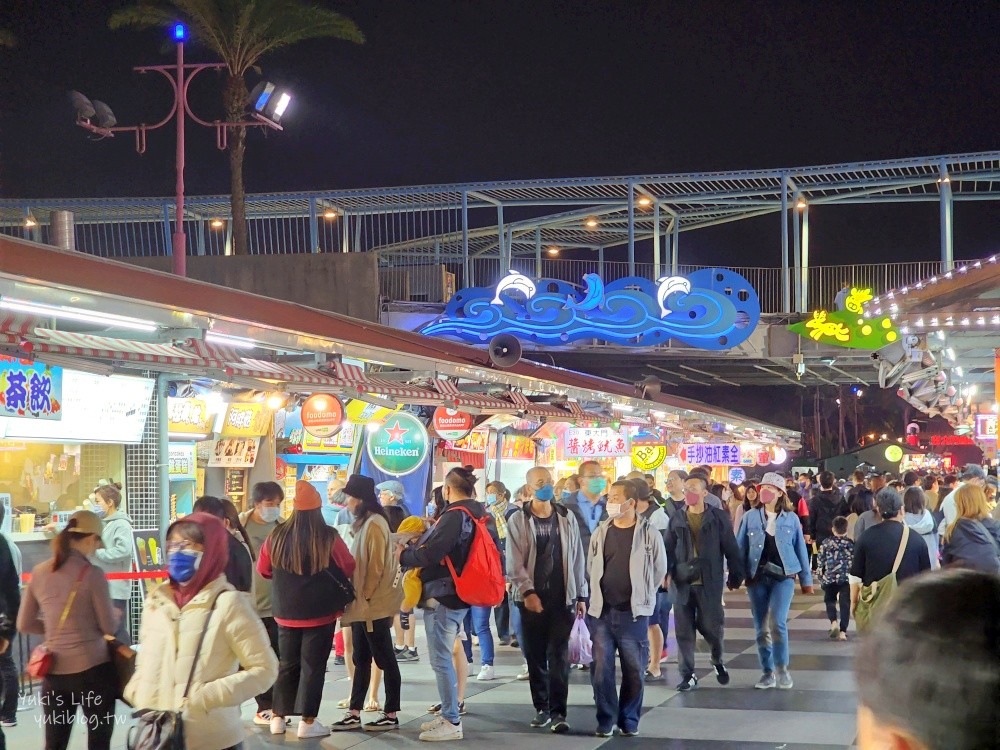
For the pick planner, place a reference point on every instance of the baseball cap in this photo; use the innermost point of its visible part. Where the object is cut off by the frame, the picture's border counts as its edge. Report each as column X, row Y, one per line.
column 889, row 502
column 390, row 485
column 972, row 471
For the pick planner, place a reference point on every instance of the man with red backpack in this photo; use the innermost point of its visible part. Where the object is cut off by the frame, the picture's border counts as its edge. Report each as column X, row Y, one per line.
column 460, row 566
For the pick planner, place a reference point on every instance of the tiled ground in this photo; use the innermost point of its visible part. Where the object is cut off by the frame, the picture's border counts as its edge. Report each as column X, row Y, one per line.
column 817, row 714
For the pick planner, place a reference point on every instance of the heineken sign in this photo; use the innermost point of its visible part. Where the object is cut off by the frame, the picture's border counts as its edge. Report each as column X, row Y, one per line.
column 400, row 445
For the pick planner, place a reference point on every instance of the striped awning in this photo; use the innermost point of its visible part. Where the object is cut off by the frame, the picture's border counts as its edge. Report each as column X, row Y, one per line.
column 453, row 396
column 549, row 411
column 587, row 416
column 14, row 327
column 90, row 346
column 356, row 380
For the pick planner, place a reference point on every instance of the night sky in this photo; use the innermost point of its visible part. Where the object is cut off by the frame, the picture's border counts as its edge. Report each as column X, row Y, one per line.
column 453, row 91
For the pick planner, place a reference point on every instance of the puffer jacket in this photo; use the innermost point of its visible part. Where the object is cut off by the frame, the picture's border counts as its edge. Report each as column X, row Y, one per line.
column 377, row 594
column 236, row 662
column 974, row 544
column 118, row 552
column 923, row 524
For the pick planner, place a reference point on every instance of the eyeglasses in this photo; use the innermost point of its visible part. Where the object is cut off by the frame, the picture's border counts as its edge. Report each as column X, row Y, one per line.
column 178, row 546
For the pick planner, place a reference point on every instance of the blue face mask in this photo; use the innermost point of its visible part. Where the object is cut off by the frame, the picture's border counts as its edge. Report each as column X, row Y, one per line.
column 183, row 564
column 99, row 511
column 566, row 494
column 269, row 514
column 545, row 493
column 491, row 499
column 595, row 485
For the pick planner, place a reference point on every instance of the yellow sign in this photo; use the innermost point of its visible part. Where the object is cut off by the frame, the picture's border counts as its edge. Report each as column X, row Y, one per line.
column 893, row 454
column 246, row 420
column 361, row 412
column 188, row 416
column 648, row 457
column 856, row 300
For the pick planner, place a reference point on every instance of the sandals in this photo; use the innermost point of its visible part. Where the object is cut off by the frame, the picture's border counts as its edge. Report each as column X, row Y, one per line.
column 372, row 706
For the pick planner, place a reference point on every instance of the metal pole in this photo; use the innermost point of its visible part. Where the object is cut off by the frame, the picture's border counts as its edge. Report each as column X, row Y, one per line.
column 313, row 227
column 947, row 246
column 538, row 252
column 180, row 241
column 465, row 239
column 504, row 263
column 786, row 292
column 345, row 226
column 656, row 240
column 631, row 229
column 804, row 284
column 163, row 455
column 675, row 246
column 797, row 254
column 600, row 262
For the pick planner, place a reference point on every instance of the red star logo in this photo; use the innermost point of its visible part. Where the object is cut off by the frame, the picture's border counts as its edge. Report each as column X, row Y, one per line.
column 396, row 433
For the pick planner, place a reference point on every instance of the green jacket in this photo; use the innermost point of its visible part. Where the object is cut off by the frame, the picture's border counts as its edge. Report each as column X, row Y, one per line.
column 118, row 552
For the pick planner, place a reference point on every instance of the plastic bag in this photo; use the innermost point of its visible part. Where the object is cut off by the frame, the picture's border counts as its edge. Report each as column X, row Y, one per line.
column 580, row 647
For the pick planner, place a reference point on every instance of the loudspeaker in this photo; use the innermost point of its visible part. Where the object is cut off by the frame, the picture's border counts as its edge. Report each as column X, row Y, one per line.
column 505, row 350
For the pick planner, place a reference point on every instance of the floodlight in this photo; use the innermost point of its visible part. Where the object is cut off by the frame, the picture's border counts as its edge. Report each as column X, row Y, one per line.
column 83, row 106
column 103, row 115
column 270, row 101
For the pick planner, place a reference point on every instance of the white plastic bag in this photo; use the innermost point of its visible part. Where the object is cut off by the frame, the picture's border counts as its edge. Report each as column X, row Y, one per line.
column 580, row 647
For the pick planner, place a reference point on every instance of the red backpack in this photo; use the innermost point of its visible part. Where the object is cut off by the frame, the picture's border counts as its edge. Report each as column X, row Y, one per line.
column 481, row 583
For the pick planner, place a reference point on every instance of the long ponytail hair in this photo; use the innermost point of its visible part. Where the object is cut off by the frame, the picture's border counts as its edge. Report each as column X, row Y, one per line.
column 61, row 547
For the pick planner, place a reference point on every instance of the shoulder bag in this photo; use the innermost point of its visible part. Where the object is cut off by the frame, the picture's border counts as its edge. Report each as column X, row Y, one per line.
column 40, row 663
column 874, row 598
column 164, row 730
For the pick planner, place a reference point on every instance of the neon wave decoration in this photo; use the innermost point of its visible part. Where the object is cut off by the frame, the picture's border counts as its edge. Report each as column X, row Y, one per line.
column 714, row 309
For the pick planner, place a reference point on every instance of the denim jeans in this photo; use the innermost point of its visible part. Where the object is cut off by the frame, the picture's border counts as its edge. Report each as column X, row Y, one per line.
column 619, row 632
column 481, row 628
column 11, row 686
column 516, row 629
column 768, row 596
column 441, row 626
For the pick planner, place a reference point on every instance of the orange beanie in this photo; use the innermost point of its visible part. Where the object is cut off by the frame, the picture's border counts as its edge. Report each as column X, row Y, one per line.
column 306, row 497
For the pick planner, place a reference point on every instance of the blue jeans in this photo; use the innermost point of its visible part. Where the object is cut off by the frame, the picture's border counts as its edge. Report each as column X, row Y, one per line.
column 618, row 631
column 481, row 627
column 515, row 627
column 774, row 597
column 441, row 626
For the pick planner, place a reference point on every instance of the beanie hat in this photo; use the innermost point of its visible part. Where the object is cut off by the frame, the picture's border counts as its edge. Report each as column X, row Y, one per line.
column 306, row 497
column 774, row 479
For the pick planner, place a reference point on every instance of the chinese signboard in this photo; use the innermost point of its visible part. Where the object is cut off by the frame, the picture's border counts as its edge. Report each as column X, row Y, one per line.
column 31, row 390
column 400, row 445
column 234, row 453
column 182, row 462
column 711, row 454
column 246, row 420
column 189, row 416
column 986, row 427
column 945, row 440
column 594, row 442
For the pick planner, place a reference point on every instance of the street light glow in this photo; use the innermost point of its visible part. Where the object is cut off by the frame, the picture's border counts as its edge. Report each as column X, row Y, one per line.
column 217, row 223
column 180, row 32
column 282, row 105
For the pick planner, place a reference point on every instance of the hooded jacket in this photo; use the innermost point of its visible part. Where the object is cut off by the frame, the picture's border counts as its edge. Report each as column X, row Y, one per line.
column 827, row 505
column 375, row 574
column 235, row 664
column 522, row 550
column 923, row 524
column 974, row 544
column 647, row 568
column 118, row 552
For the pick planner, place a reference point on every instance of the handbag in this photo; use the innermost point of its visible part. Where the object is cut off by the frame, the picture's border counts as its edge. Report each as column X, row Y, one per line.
column 685, row 572
column 773, row 571
column 874, row 598
column 40, row 662
column 164, row 730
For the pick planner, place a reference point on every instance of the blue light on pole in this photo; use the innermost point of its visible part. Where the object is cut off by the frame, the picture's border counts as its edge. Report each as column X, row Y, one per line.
column 180, row 32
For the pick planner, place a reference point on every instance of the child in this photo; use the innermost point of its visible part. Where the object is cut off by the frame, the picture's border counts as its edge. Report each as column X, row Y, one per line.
column 410, row 530
column 835, row 557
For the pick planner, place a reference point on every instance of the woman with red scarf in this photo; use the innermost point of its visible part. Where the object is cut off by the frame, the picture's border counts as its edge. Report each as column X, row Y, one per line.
column 235, row 662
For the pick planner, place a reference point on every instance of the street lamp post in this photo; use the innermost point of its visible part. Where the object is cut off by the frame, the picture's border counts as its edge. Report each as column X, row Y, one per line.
column 180, row 76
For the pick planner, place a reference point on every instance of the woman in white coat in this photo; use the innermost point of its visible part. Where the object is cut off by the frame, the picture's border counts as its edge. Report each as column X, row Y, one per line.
column 236, row 661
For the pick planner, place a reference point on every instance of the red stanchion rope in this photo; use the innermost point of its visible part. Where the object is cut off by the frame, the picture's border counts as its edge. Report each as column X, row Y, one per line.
column 134, row 576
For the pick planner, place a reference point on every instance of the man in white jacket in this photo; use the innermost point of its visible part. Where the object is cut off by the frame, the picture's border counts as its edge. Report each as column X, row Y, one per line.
column 628, row 564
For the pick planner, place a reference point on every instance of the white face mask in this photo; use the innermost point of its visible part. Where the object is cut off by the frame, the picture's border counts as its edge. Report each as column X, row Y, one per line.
column 270, row 515
column 614, row 510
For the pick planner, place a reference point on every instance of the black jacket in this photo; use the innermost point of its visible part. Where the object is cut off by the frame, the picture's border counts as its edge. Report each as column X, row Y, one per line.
column 827, row 505
column 974, row 544
column 716, row 541
column 10, row 591
column 239, row 567
column 451, row 537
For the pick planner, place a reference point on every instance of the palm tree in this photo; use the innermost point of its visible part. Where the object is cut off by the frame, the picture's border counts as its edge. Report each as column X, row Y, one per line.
column 240, row 32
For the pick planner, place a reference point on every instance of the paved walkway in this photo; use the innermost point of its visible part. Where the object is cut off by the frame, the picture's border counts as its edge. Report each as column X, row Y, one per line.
column 818, row 714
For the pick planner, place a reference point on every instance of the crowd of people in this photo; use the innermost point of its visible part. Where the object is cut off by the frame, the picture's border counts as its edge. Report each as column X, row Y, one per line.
column 253, row 600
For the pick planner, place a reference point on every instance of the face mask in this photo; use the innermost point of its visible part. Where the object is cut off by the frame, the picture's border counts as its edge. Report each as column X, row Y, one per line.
column 182, row 564
column 566, row 494
column 270, row 515
column 614, row 510
column 692, row 498
column 769, row 495
column 595, row 485
column 545, row 493
column 491, row 499
column 99, row 511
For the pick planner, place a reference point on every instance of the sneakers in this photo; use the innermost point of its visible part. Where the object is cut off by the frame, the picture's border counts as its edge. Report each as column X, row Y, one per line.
column 407, row 654
column 349, row 722
column 523, row 675
column 504, row 640
column 308, row 731
column 841, row 637
column 766, row 681
column 541, row 719
column 650, row 677
column 338, row 661
column 721, row 674
column 436, row 709
column 8, row 723
column 629, row 732
column 514, row 643
column 785, row 680
column 382, row 724
column 487, row 673
column 277, row 725
column 559, row 725
column 261, row 719
column 691, row 683
column 431, row 724
column 605, row 732
column 834, row 632
column 443, row 731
